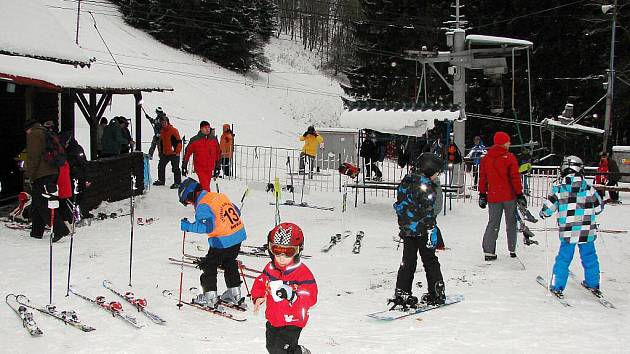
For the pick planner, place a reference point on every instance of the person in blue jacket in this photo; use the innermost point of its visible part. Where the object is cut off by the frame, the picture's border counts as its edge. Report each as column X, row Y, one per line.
column 220, row 219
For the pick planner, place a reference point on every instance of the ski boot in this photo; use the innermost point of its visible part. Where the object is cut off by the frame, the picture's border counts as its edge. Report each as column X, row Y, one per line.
column 594, row 290
column 435, row 297
column 402, row 300
column 233, row 297
column 208, row 299
column 527, row 237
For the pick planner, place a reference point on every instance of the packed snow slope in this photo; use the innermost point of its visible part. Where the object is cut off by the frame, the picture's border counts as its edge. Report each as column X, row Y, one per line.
column 505, row 310
column 264, row 108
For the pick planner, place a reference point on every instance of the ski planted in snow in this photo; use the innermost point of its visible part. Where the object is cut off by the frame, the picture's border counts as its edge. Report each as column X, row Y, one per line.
column 390, row 315
column 113, row 307
column 335, row 239
column 68, row 317
column 139, row 303
column 218, row 312
column 557, row 296
column 596, row 292
column 305, row 205
column 356, row 248
column 25, row 315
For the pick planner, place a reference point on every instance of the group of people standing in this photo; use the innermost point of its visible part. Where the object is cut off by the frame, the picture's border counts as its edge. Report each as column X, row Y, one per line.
column 113, row 138
column 210, row 157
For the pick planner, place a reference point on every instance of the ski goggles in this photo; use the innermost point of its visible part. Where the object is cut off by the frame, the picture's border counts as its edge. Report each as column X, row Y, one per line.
column 287, row 251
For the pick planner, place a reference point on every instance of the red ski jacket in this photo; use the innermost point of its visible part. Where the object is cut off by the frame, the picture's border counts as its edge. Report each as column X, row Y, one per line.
column 283, row 313
column 206, row 152
column 498, row 175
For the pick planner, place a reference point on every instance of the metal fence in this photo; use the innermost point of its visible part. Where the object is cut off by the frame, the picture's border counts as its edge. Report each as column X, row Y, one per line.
column 263, row 164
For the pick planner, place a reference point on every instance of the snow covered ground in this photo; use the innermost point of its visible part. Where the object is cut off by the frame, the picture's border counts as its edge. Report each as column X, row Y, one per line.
column 505, row 309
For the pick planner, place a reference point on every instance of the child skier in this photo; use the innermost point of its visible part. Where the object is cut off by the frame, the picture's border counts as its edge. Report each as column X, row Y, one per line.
column 289, row 289
column 416, row 220
column 577, row 203
column 218, row 217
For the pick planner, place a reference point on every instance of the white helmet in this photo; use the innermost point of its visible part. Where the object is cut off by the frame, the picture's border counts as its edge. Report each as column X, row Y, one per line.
column 571, row 164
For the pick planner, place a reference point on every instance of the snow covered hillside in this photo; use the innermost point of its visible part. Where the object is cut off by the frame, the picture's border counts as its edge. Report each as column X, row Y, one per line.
column 505, row 310
column 284, row 102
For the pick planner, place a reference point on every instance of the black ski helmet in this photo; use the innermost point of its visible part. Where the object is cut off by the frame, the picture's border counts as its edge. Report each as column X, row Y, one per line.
column 428, row 164
column 187, row 190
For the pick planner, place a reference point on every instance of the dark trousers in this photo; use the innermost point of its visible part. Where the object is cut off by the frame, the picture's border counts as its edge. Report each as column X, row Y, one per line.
column 283, row 340
column 370, row 166
column 174, row 160
column 40, row 214
column 225, row 164
column 226, row 258
column 311, row 162
column 412, row 246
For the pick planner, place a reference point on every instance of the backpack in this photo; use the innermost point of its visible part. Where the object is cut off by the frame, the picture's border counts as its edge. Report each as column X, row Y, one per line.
column 54, row 153
column 349, row 169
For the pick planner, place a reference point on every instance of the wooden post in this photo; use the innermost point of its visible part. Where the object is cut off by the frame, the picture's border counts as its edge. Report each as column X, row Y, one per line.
column 67, row 111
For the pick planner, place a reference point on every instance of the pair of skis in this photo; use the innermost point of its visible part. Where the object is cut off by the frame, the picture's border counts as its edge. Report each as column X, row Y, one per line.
column 338, row 238
column 219, row 312
column 305, row 205
column 396, row 314
column 560, row 297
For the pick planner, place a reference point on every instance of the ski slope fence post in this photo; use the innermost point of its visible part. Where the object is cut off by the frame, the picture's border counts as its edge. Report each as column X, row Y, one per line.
column 50, row 251
column 75, row 210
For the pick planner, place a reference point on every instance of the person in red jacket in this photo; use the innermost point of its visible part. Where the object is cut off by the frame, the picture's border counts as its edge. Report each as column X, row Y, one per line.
column 288, row 288
column 500, row 187
column 205, row 148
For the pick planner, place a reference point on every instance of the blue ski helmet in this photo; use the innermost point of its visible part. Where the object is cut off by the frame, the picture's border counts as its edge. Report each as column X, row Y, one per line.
column 187, row 191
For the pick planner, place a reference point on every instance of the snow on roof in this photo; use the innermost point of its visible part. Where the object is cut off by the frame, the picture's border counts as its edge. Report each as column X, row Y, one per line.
column 412, row 123
column 493, row 40
column 56, row 76
column 337, row 130
column 577, row 127
column 29, row 30
column 620, row 148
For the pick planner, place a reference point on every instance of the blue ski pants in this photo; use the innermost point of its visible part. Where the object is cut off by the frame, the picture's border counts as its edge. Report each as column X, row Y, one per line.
column 588, row 256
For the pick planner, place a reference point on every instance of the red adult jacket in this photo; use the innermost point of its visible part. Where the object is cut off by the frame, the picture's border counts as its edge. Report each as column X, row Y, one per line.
column 206, row 152
column 498, row 175
column 282, row 313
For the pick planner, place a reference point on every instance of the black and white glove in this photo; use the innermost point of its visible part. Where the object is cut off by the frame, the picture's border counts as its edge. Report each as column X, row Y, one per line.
column 483, row 200
column 281, row 291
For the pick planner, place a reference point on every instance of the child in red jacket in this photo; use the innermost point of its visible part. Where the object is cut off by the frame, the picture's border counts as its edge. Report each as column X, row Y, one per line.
column 289, row 289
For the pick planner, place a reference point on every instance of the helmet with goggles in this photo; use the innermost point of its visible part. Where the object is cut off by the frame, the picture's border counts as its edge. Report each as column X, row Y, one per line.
column 286, row 239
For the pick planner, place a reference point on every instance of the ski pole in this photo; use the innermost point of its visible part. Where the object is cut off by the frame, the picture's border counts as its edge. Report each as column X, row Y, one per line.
column 240, row 267
column 547, row 255
column 131, row 218
column 52, row 235
column 181, row 272
column 74, row 211
column 243, row 198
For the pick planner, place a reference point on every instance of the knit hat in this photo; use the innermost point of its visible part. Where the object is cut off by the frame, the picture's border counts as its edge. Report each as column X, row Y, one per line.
column 29, row 123
column 501, row 138
column 204, row 123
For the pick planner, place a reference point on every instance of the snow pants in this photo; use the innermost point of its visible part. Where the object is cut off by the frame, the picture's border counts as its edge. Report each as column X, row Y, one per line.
column 495, row 211
column 311, row 162
column 413, row 246
column 283, row 340
column 564, row 258
column 174, row 160
column 40, row 214
column 224, row 257
column 204, row 179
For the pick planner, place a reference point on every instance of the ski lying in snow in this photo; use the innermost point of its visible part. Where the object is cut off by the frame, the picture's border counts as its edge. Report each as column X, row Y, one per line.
column 526, row 214
column 260, row 252
column 356, row 248
column 335, row 239
column 146, row 221
column 218, row 312
column 598, row 294
column 68, row 317
column 557, row 296
column 390, row 315
column 304, row 205
column 139, row 303
column 25, row 315
column 606, row 231
column 114, row 308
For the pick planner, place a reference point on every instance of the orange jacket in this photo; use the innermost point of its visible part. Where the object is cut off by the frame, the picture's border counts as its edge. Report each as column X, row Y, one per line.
column 171, row 142
column 227, row 142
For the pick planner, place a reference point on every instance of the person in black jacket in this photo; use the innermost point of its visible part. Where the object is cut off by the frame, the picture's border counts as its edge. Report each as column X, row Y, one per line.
column 370, row 154
column 78, row 172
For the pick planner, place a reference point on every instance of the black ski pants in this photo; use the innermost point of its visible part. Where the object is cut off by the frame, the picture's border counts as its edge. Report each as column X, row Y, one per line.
column 40, row 213
column 174, row 160
column 226, row 258
column 283, row 340
column 412, row 246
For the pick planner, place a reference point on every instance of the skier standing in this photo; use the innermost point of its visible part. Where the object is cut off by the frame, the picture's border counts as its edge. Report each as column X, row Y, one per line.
column 220, row 219
column 288, row 288
column 227, row 149
column 608, row 165
column 577, row 204
column 415, row 199
column 474, row 157
column 171, row 145
column 311, row 140
column 205, row 148
column 500, row 185
column 157, row 127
